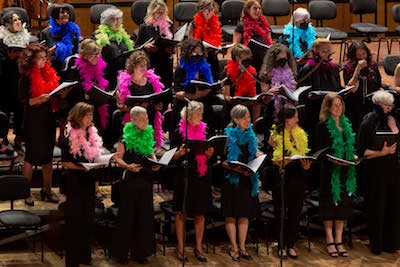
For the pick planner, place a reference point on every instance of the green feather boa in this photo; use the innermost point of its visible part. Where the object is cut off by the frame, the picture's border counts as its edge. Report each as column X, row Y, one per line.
column 141, row 142
column 104, row 34
column 342, row 150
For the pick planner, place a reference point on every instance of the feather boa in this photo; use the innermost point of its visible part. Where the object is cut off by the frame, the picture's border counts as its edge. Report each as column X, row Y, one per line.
column 371, row 71
column 20, row 38
column 93, row 74
column 77, row 142
column 245, row 85
column 238, row 137
column 191, row 68
column 342, row 150
column 281, row 76
column 163, row 25
column 325, row 66
column 43, row 81
column 141, row 142
column 308, row 36
column 67, row 32
column 197, row 132
column 124, row 79
column 297, row 146
column 105, row 34
column 209, row 32
column 258, row 27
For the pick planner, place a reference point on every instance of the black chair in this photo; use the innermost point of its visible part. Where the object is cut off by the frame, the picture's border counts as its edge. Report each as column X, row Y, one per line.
column 184, row 12
column 396, row 18
column 14, row 187
column 390, row 63
column 326, row 10
column 276, row 8
column 368, row 30
column 231, row 11
column 96, row 10
column 19, row 10
column 138, row 13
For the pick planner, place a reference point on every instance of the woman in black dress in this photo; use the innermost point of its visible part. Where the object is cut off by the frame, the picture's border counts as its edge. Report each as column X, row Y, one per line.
column 240, row 189
column 199, row 198
column 82, row 144
column 359, row 70
column 157, row 25
column 381, row 168
column 296, row 143
column 337, row 180
column 37, row 81
column 136, row 228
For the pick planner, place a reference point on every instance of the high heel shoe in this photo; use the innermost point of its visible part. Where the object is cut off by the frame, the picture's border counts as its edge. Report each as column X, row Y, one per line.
column 29, row 201
column 234, row 255
column 51, row 197
column 199, row 255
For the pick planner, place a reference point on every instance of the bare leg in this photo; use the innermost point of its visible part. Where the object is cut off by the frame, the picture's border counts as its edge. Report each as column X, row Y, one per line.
column 47, row 170
column 338, row 237
column 179, row 230
column 329, row 236
column 199, row 229
column 230, row 226
column 243, row 228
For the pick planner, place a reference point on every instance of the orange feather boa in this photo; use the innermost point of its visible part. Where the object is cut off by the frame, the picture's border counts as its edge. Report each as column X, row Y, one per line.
column 209, row 32
column 246, row 85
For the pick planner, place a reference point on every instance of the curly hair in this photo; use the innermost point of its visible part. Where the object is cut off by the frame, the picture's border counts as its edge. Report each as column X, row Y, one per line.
column 203, row 4
column 248, row 5
column 134, row 59
column 188, row 46
column 25, row 61
column 77, row 112
column 270, row 61
column 352, row 52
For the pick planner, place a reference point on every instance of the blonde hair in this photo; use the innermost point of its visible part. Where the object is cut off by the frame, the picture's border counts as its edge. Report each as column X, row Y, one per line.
column 89, row 47
column 318, row 43
column 191, row 108
column 327, row 104
column 134, row 59
column 153, row 7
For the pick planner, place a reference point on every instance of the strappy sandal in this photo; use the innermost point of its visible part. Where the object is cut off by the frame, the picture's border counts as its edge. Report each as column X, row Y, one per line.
column 180, row 257
column 333, row 254
column 344, row 253
column 243, row 254
column 234, row 255
column 199, row 256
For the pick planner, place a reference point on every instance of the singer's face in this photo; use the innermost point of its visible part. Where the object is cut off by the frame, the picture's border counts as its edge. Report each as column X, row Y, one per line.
column 292, row 122
column 336, row 108
column 87, row 120
column 115, row 22
column 243, row 123
column 141, row 68
column 16, row 24
column 141, row 121
column 40, row 59
column 196, row 118
column 325, row 51
column 63, row 17
column 159, row 14
column 361, row 54
column 255, row 11
column 386, row 107
column 207, row 12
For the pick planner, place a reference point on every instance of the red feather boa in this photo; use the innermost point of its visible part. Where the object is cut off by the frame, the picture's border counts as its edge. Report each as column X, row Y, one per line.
column 259, row 27
column 246, row 85
column 207, row 31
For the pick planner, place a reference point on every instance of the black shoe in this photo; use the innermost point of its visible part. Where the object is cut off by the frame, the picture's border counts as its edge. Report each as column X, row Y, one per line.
column 29, row 201
column 235, row 255
column 333, row 254
column 292, row 256
column 344, row 254
column 142, row 261
column 180, row 257
column 280, row 254
column 199, row 256
column 245, row 255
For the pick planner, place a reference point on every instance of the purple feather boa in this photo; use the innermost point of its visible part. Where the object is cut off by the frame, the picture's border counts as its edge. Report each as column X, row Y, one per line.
column 124, row 79
column 282, row 76
column 93, row 75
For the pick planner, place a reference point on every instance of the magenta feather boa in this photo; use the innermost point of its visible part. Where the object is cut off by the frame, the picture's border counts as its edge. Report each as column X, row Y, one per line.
column 77, row 142
column 124, row 79
column 327, row 65
column 93, row 74
column 282, row 76
column 163, row 26
column 197, row 132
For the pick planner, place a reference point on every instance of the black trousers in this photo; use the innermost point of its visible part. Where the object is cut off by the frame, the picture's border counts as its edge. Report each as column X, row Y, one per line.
column 136, row 227
column 79, row 216
column 294, row 196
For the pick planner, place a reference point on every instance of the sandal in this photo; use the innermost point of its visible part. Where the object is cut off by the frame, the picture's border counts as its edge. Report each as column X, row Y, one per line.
column 29, row 201
column 343, row 253
column 291, row 255
column 180, row 257
column 234, row 255
column 333, row 254
column 282, row 254
column 199, row 255
column 243, row 254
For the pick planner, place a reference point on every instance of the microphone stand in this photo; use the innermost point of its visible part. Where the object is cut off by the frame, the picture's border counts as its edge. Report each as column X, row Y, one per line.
column 282, row 172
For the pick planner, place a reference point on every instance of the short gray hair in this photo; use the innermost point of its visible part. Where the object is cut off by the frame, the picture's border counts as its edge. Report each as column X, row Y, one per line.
column 239, row 111
column 382, row 97
column 108, row 14
column 191, row 108
column 299, row 14
column 136, row 111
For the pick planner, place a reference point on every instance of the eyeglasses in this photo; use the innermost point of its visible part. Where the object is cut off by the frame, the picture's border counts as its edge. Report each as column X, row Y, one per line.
column 41, row 58
column 387, row 105
column 94, row 55
column 116, row 18
column 142, row 65
column 197, row 54
column 64, row 11
column 208, row 9
column 16, row 20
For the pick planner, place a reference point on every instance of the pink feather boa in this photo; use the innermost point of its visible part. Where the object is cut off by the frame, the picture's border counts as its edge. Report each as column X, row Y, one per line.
column 124, row 79
column 78, row 142
column 163, row 26
column 282, row 76
column 93, row 74
column 197, row 132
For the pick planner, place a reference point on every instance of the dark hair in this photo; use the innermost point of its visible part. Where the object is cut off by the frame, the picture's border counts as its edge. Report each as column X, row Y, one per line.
column 287, row 112
column 188, row 46
column 77, row 112
column 7, row 17
column 270, row 61
column 25, row 61
column 352, row 52
column 55, row 13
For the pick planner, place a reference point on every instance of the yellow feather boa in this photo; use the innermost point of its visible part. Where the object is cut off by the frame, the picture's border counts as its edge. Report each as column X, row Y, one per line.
column 297, row 146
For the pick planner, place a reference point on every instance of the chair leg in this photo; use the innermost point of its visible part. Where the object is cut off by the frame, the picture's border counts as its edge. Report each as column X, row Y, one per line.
column 389, row 48
column 340, row 53
column 379, row 48
column 41, row 245
column 308, row 234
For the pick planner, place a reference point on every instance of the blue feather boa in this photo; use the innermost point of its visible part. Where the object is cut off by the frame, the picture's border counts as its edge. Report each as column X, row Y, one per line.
column 191, row 68
column 67, row 32
column 308, row 36
column 238, row 137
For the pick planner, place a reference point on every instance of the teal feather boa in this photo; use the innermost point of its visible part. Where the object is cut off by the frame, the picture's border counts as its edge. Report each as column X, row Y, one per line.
column 306, row 35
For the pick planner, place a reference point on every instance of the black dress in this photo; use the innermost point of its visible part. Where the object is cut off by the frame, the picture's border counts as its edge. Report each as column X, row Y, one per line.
column 39, row 126
column 358, row 104
column 199, row 198
column 79, row 209
column 383, row 188
column 111, row 54
column 136, row 227
column 328, row 210
column 236, row 199
column 147, row 89
column 160, row 60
